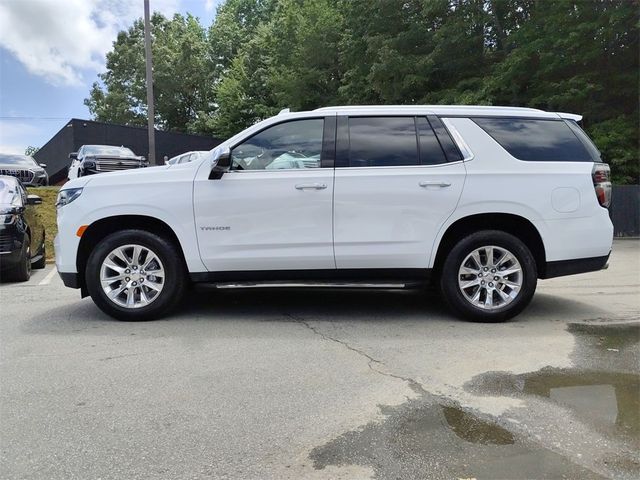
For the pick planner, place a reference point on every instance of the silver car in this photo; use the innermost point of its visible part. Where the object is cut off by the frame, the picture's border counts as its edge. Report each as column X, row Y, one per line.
column 25, row 168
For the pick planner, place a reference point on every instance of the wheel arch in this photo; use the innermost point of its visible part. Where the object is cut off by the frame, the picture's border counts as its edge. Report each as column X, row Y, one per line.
column 515, row 225
column 99, row 229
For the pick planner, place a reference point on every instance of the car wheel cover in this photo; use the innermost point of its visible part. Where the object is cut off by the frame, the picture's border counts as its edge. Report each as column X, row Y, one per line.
column 490, row 277
column 132, row 276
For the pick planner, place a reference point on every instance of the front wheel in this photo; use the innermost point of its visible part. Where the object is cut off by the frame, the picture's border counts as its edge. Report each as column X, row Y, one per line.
column 42, row 262
column 22, row 271
column 135, row 275
column 489, row 276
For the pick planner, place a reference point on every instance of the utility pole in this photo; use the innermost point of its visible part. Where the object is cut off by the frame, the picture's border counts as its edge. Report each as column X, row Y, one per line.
column 150, row 106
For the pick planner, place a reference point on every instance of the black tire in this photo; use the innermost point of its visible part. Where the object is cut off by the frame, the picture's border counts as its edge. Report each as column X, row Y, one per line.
column 40, row 264
column 453, row 294
column 22, row 272
column 175, row 281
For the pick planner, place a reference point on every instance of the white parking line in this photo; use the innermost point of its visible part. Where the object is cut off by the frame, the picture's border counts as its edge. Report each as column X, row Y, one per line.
column 47, row 280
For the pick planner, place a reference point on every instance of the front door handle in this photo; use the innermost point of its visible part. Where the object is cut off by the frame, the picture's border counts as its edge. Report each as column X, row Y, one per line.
column 435, row 184
column 311, row 186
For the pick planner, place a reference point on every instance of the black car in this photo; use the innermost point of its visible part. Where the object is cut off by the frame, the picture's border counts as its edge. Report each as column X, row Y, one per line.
column 21, row 234
column 92, row 159
column 25, row 168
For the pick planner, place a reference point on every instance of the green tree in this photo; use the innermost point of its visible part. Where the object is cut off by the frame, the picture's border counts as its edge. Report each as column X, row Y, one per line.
column 183, row 79
column 578, row 56
column 31, row 150
column 291, row 60
column 259, row 56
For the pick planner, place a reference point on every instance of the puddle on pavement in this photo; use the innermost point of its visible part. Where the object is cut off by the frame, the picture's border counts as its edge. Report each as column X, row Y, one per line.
column 608, row 401
column 426, row 439
column 470, row 428
column 607, row 337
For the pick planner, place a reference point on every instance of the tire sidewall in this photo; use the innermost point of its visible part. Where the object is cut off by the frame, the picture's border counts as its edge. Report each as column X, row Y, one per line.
column 449, row 279
column 175, row 275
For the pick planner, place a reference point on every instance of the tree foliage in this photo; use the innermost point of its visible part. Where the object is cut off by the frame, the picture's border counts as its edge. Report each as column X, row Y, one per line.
column 183, row 76
column 31, row 150
column 259, row 56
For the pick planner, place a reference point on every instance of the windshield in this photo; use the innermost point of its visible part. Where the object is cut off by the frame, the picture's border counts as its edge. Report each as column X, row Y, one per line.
column 107, row 150
column 22, row 160
column 9, row 192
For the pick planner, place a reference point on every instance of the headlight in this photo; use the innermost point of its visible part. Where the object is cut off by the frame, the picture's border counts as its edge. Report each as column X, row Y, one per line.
column 8, row 219
column 67, row 196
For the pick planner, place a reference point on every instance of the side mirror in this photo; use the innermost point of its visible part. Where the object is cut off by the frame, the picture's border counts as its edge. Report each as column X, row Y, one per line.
column 73, row 156
column 222, row 164
column 43, row 165
column 33, row 200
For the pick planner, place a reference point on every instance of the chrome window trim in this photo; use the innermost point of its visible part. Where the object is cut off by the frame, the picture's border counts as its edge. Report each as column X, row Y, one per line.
column 467, row 154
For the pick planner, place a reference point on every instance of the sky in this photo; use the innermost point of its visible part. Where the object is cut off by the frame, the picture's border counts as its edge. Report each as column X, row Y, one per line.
column 51, row 52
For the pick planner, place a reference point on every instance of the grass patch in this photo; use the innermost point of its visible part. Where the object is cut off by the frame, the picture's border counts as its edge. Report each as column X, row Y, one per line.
column 47, row 214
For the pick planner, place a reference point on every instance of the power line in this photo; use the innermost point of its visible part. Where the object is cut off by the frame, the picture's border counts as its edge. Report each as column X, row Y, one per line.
column 34, row 118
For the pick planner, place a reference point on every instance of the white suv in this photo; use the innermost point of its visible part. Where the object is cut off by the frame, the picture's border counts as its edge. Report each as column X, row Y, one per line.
column 481, row 201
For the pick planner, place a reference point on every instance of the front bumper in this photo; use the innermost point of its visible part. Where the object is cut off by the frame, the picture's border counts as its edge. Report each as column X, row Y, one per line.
column 11, row 240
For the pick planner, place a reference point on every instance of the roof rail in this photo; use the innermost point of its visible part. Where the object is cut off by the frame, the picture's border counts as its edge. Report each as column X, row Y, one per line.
column 452, row 107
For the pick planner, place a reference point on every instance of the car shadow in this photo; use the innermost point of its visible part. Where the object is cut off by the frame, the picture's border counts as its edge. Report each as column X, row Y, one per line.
column 206, row 306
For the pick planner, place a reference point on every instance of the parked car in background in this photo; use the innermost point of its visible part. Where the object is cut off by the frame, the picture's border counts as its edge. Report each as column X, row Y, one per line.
column 186, row 157
column 24, row 168
column 92, row 159
column 480, row 201
column 22, row 236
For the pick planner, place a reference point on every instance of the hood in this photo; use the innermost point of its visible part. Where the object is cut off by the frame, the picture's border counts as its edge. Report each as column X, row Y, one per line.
column 116, row 157
column 12, row 166
column 9, row 197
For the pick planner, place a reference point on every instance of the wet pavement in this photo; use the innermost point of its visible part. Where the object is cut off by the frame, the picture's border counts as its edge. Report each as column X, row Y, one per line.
column 324, row 384
column 420, row 435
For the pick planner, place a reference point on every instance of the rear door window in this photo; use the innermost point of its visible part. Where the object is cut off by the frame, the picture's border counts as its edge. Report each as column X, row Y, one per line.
column 536, row 140
column 431, row 152
column 382, row 142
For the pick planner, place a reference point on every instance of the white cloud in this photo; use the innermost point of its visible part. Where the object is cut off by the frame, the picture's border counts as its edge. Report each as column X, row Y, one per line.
column 59, row 40
column 15, row 135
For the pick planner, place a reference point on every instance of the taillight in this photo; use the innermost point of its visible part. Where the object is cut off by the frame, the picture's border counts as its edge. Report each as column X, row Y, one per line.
column 601, row 175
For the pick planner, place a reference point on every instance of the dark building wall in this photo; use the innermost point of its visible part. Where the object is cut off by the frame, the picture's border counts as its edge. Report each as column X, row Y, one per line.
column 625, row 210
column 55, row 153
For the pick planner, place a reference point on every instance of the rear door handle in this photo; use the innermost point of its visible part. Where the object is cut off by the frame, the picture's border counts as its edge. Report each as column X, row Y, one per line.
column 434, row 184
column 311, row 186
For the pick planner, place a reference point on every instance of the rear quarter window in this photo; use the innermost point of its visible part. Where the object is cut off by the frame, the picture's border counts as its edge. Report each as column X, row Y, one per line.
column 537, row 140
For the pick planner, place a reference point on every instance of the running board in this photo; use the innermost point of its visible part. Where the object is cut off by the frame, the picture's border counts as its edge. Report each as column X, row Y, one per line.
column 383, row 285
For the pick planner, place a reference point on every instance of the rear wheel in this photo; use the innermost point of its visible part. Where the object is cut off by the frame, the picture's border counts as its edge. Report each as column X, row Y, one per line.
column 489, row 276
column 135, row 275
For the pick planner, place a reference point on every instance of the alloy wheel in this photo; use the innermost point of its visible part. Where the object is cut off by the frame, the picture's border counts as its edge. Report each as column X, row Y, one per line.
column 490, row 277
column 132, row 276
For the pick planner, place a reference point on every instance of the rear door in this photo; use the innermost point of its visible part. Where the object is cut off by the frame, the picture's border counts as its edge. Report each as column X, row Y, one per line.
column 397, row 180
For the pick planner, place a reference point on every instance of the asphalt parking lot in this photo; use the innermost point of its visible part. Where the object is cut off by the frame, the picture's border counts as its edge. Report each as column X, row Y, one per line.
column 261, row 384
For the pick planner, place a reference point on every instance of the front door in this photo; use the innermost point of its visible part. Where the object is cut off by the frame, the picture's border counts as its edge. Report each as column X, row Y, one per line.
column 273, row 209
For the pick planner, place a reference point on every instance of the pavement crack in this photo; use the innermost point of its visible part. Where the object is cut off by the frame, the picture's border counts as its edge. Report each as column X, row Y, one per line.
column 373, row 363
column 114, row 357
